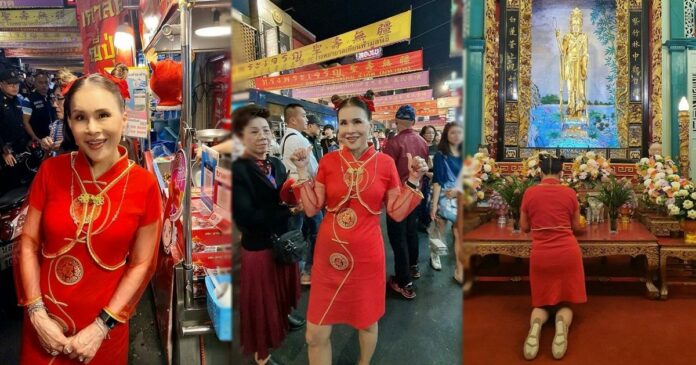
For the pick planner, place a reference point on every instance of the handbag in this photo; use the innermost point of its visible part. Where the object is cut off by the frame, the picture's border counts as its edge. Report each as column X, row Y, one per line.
column 290, row 247
column 446, row 207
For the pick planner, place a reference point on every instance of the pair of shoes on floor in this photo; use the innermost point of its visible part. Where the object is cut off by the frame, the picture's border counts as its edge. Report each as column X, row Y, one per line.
column 415, row 272
column 306, row 279
column 435, row 261
column 407, row 291
column 296, row 322
column 558, row 347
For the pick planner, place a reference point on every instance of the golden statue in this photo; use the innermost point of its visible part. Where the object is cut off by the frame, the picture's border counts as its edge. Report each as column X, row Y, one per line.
column 574, row 56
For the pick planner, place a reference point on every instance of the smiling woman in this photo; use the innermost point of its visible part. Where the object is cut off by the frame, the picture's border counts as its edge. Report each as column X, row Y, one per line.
column 101, row 239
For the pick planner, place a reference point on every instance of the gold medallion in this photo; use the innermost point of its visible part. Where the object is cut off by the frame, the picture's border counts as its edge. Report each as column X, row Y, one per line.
column 354, row 175
column 78, row 210
column 69, row 270
column 346, row 218
column 338, row 261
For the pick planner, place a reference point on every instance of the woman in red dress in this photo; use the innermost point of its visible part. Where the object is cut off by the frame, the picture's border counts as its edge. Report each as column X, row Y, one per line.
column 551, row 212
column 89, row 243
column 349, row 273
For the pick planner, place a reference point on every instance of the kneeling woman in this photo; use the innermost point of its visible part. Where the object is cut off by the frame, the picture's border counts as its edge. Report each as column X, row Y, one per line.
column 551, row 212
column 349, row 274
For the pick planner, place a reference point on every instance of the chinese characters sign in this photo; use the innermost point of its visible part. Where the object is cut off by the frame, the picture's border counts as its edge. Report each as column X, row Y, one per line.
column 407, row 81
column 407, row 62
column 98, row 21
column 635, row 57
column 38, row 18
column 511, row 55
column 383, row 33
column 37, row 52
column 404, row 98
column 6, row 4
column 422, row 108
column 31, row 37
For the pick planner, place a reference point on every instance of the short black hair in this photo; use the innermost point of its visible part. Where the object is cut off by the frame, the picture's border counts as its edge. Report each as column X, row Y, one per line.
column 242, row 116
column 551, row 165
column 288, row 107
column 329, row 126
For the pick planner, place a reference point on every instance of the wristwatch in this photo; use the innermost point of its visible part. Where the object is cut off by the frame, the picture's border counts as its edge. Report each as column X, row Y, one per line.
column 108, row 320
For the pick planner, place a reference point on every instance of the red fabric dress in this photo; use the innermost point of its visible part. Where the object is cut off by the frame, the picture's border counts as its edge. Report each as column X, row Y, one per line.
column 349, row 271
column 79, row 277
column 556, row 273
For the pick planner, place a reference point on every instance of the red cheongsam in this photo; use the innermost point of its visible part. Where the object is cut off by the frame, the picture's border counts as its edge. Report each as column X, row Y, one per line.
column 556, row 273
column 349, row 274
column 79, row 275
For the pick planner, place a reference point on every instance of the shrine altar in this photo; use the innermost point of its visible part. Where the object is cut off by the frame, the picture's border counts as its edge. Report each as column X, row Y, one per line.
column 632, row 239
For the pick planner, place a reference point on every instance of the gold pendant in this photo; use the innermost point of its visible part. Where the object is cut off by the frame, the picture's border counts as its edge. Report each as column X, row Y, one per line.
column 338, row 261
column 78, row 210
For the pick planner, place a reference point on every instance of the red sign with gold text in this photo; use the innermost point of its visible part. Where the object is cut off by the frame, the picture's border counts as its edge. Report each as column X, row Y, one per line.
column 98, row 20
column 421, row 105
column 392, row 65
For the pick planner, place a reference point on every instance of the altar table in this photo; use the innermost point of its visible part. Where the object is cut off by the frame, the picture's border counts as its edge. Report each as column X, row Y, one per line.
column 673, row 247
column 632, row 239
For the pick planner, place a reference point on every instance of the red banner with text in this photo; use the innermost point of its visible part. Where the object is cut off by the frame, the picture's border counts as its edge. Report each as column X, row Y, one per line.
column 98, row 20
column 392, row 65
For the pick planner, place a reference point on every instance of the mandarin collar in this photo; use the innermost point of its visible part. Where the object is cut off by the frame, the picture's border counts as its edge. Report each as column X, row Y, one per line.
column 349, row 156
column 84, row 169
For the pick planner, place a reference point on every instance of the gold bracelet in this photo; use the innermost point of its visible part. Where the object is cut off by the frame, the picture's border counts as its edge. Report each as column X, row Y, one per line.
column 117, row 318
column 33, row 301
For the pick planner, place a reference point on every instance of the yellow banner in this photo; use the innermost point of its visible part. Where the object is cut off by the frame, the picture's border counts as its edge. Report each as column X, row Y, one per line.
column 40, row 37
column 383, row 33
column 34, row 18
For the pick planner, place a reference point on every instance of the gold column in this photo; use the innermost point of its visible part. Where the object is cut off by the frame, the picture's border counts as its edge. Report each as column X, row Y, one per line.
column 684, row 137
column 656, row 79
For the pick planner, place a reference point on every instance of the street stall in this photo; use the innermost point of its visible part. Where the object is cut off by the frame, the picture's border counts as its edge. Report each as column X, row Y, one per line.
column 185, row 44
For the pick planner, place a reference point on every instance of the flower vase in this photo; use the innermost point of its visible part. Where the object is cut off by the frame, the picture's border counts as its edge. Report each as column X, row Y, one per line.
column 689, row 228
column 502, row 220
column 613, row 224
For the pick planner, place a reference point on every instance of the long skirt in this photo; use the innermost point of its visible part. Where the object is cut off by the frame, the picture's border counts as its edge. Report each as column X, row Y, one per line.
column 268, row 293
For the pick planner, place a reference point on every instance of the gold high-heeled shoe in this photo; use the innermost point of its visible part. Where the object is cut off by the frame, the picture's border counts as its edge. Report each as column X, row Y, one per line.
column 531, row 343
column 560, row 340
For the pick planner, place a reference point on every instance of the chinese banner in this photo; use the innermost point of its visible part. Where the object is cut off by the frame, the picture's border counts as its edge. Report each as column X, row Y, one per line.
column 34, row 18
column 98, row 21
column 383, row 33
column 57, row 53
column 412, row 97
column 393, row 65
column 27, row 37
column 419, row 106
column 407, row 81
column 7, row 4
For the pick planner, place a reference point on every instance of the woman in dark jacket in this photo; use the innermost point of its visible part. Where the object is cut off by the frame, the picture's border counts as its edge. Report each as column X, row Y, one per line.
column 268, row 290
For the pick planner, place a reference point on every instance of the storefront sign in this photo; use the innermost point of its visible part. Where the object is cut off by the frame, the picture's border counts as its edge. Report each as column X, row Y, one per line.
column 419, row 106
column 412, row 97
column 98, row 21
column 449, row 102
column 61, row 53
column 33, row 18
column 369, row 54
column 7, row 4
column 393, row 65
column 407, row 81
column 383, row 33
column 31, row 37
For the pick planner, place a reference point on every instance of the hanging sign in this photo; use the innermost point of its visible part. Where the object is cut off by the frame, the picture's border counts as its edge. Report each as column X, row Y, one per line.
column 30, row 37
column 419, row 106
column 393, row 65
column 137, row 106
column 35, row 18
column 407, row 81
column 449, row 102
column 61, row 53
column 98, row 21
column 383, row 33
column 8, row 4
column 412, row 97
column 370, row 54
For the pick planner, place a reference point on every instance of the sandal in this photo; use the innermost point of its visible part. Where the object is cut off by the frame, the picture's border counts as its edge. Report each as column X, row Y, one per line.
column 560, row 340
column 531, row 344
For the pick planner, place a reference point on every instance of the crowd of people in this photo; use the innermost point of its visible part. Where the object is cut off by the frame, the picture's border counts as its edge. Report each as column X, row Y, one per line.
column 335, row 186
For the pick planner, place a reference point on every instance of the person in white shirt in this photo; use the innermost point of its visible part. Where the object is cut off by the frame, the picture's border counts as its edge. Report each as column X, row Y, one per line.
column 296, row 121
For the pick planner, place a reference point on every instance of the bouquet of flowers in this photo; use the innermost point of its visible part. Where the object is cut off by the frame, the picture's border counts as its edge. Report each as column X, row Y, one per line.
column 469, row 182
column 590, row 168
column 684, row 204
column 531, row 168
column 649, row 167
column 487, row 171
column 661, row 188
column 498, row 204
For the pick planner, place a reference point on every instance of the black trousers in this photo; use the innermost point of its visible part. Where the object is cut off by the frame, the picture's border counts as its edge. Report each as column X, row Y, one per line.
column 403, row 238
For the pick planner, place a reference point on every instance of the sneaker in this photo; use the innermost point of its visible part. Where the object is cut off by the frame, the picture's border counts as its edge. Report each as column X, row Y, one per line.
column 407, row 291
column 415, row 273
column 435, row 261
column 306, row 279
